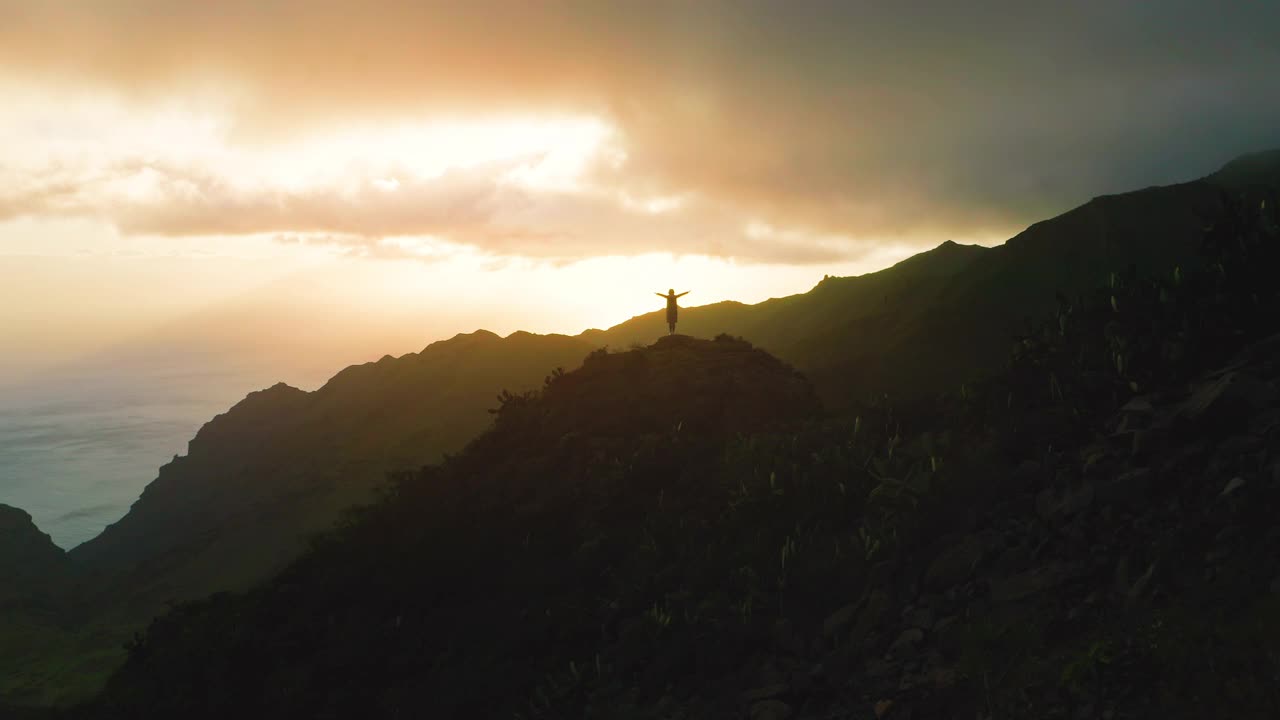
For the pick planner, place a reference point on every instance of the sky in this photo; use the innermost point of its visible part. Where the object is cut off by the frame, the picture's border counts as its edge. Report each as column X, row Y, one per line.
column 339, row 180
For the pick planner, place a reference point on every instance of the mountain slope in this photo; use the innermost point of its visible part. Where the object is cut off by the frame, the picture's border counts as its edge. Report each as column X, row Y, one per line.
column 34, row 579
column 30, row 563
column 283, row 463
column 925, row 325
column 820, row 313
column 1076, row 537
column 676, row 532
column 592, row 455
column 256, row 482
column 932, row 321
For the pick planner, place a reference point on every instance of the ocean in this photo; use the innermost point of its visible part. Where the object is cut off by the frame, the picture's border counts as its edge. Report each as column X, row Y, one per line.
column 77, row 449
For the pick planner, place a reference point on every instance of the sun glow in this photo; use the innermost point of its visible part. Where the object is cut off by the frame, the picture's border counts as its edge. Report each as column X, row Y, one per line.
column 436, row 224
column 96, row 129
column 547, row 153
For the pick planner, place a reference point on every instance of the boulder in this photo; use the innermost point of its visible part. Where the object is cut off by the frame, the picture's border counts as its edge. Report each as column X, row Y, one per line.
column 771, row 710
column 955, row 564
column 766, row 692
column 1027, row 472
column 786, row 639
column 1033, row 582
column 1129, row 490
column 921, row 617
column 1150, row 441
column 872, row 614
column 837, row 621
column 907, row 644
column 1235, row 484
column 1136, row 414
column 1226, row 398
column 1065, row 501
column 1243, row 444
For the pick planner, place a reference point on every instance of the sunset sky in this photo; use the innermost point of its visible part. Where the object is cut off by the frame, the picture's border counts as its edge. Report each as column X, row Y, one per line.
column 361, row 178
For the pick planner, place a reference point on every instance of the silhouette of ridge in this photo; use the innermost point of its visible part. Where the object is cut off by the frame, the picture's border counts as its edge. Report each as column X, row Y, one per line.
column 285, row 462
column 624, row 545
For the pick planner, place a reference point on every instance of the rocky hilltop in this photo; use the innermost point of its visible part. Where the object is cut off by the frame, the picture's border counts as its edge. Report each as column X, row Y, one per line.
column 720, row 387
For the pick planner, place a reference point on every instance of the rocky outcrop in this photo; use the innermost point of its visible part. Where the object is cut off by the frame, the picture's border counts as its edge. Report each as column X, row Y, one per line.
column 32, row 567
column 719, row 387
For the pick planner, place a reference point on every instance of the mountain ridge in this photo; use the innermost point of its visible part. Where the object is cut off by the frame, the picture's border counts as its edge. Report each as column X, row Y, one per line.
column 1075, row 536
column 218, row 518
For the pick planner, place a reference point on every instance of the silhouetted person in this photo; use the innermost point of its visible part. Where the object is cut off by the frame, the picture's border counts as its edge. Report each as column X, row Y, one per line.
column 672, row 308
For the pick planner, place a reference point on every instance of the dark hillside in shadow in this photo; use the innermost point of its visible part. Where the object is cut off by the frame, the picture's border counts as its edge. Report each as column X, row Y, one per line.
column 1085, row 534
column 535, row 524
column 713, row 456
column 256, row 481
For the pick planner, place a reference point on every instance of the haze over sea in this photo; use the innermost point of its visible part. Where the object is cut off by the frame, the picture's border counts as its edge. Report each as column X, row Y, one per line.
column 78, row 447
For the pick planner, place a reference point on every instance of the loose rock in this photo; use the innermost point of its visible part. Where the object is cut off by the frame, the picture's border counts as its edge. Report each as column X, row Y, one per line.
column 907, row 644
column 837, row 621
column 771, row 710
column 954, row 565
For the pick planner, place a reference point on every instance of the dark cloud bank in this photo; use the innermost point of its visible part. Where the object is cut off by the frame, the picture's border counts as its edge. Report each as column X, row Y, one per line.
column 912, row 120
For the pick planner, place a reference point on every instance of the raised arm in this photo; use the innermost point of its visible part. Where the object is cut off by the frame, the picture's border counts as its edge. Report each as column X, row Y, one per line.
column 661, row 295
column 686, row 292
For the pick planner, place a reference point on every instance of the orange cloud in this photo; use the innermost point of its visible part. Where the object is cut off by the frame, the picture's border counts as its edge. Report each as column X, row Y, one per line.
column 837, row 120
column 475, row 206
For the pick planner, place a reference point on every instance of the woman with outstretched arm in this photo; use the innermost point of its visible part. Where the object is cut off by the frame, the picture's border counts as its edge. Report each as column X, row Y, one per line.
column 672, row 308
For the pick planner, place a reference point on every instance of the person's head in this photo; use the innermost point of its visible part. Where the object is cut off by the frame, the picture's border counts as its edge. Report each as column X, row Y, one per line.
column 671, row 291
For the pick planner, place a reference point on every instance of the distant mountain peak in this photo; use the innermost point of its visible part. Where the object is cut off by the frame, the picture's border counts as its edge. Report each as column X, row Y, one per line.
column 947, row 258
column 26, row 553
column 480, row 335
column 1259, row 168
column 12, row 517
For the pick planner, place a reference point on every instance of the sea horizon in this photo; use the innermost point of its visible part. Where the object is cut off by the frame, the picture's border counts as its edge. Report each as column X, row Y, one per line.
column 78, row 447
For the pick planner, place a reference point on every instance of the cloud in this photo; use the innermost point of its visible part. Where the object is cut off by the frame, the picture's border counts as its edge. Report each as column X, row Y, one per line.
column 842, row 122
column 423, row 218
